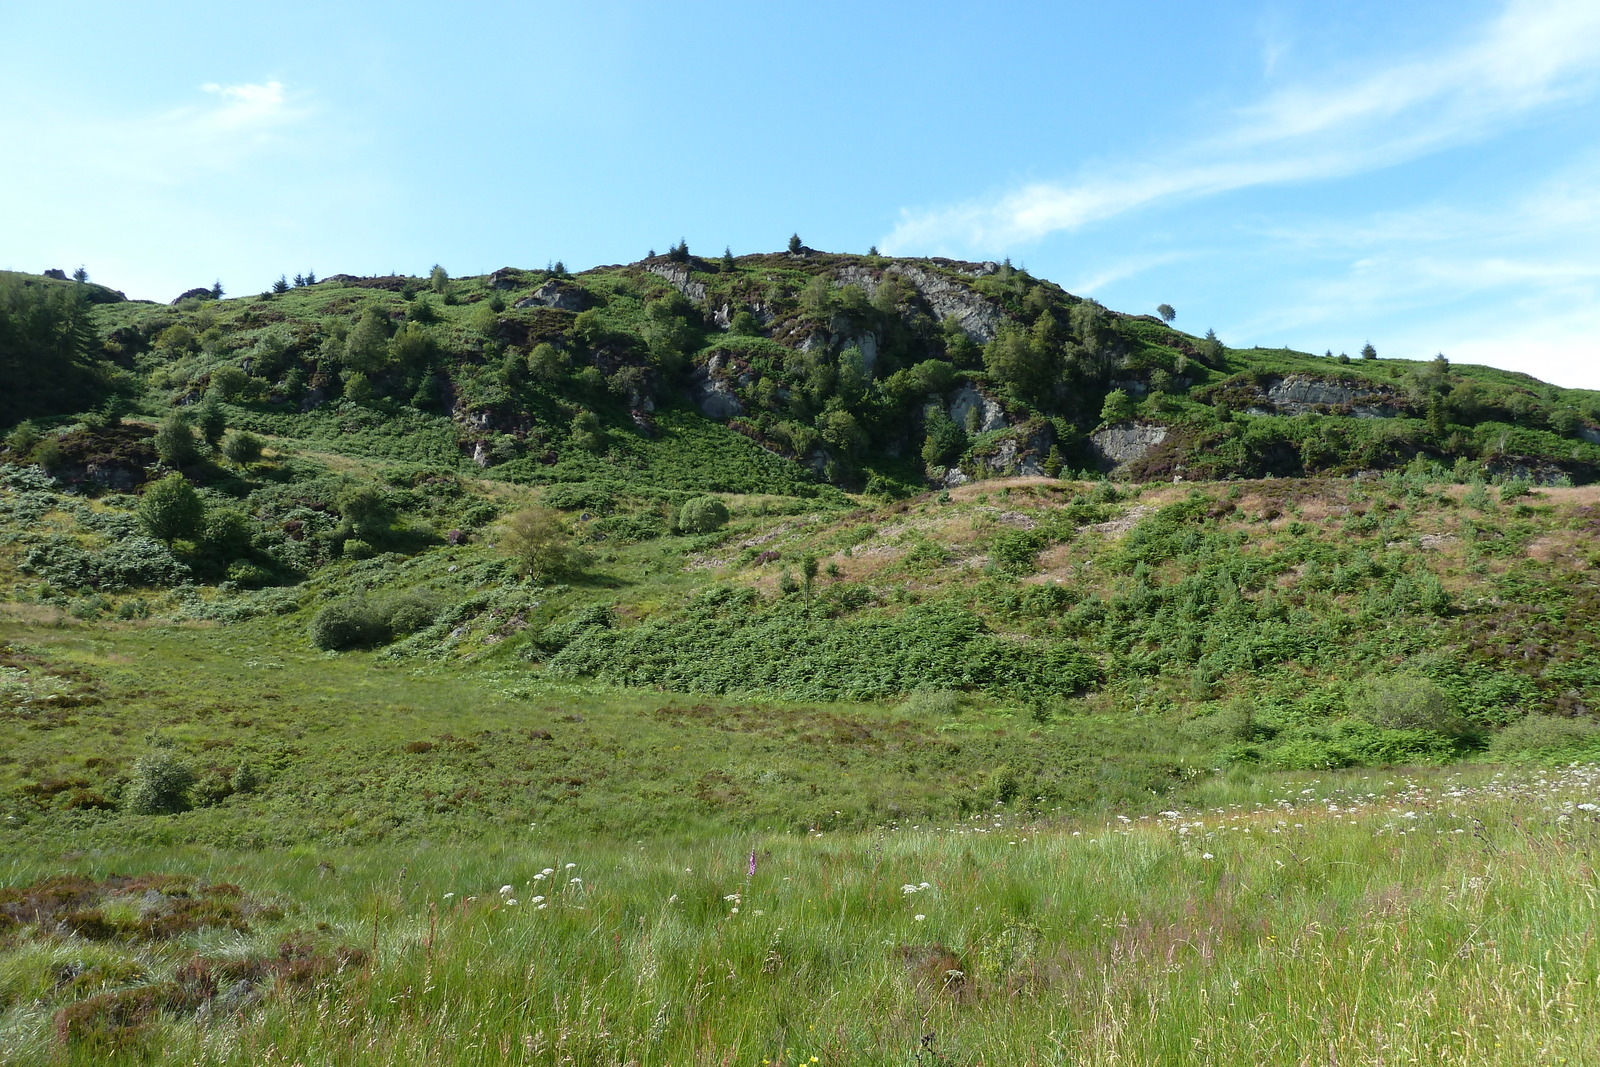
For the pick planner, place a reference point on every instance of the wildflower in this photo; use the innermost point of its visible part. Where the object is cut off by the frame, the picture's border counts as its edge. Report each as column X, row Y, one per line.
column 734, row 897
column 447, row 896
column 539, row 877
column 919, row 918
column 505, row 890
column 511, row 902
column 673, row 899
column 908, row 889
column 1207, row 856
column 752, row 862
column 548, row 871
column 575, row 881
column 537, row 900
column 571, row 865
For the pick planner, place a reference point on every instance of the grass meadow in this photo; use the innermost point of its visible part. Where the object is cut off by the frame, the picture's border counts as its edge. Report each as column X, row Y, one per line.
column 1338, row 918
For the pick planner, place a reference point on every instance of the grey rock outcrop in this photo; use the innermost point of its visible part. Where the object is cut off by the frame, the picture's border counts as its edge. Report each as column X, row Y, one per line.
column 552, row 294
column 713, row 395
column 507, row 278
column 1125, row 442
column 1296, row 394
column 677, row 276
column 947, row 297
column 991, row 416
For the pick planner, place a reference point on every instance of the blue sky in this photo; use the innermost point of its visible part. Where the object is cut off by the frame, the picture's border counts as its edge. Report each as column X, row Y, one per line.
column 1423, row 175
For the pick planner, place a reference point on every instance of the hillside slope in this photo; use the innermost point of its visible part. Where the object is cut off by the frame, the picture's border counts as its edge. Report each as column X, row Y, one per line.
column 819, row 478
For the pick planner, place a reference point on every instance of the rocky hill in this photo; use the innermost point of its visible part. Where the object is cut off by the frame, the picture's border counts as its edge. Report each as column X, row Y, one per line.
column 861, row 372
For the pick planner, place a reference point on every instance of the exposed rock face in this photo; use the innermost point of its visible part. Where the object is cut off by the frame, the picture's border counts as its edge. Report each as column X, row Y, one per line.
column 1126, row 442
column 947, row 297
column 677, row 276
column 552, row 294
column 1530, row 470
column 1300, row 393
column 507, row 278
column 57, row 273
column 714, row 396
column 991, row 416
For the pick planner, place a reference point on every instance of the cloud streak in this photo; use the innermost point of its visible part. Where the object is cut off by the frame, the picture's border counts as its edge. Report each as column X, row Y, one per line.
column 1532, row 55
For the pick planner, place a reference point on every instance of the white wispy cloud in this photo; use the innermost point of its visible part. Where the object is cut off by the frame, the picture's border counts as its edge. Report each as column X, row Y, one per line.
column 1533, row 54
column 1515, row 283
column 243, row 107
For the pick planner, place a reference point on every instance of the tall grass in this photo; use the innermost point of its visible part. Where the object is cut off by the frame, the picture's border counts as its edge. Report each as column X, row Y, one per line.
column 1363, row 921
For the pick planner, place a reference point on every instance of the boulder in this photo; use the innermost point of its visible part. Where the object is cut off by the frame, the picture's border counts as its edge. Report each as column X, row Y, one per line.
column 203, row 293
column 57, row 273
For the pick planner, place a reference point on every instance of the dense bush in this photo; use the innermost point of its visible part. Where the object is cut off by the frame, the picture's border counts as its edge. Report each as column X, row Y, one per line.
column 171, row 509
column 362, row 623
column 1547, row 736
column 704, row 514
column 160, row 785
column 538, row 543
column 121, row 564
column 1406, row 702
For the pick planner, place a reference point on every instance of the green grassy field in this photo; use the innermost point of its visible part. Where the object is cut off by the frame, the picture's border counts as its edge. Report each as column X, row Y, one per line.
column 1338, row 918
column 393, row 674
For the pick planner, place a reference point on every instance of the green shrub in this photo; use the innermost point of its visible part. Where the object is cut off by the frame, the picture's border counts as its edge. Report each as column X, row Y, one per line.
column 249, row 575
column 175, row 443
column 1226, row 725
column 170, row 508
column 1406, row 702
column 356, row 548
column 704, row 514
column 1545, row 735
column 242, row 447
column 347, row 624
column 932, row 703
column 160, row 785
column 226, row 534
column 537, row 541
column 1016, row 552
column 362, row 623
column 408, row 612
